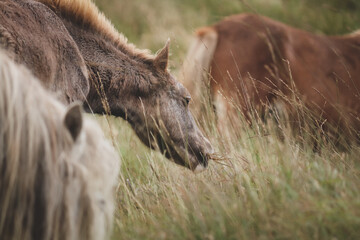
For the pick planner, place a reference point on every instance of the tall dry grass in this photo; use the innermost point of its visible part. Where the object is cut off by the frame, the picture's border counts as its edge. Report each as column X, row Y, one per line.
column 266, row 187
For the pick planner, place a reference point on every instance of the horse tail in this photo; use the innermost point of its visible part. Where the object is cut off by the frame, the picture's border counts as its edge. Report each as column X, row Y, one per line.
column 196, row 67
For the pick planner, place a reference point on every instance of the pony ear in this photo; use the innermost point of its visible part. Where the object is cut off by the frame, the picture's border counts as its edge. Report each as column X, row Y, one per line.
column 73, row 120
column 161, row 59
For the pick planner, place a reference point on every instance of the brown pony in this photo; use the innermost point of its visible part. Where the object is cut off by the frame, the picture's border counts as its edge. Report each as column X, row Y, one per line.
column 75, row 51
column 250, row 61
column 58, row 172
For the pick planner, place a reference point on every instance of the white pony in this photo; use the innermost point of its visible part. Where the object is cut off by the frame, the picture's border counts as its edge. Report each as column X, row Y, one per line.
column 57, row 171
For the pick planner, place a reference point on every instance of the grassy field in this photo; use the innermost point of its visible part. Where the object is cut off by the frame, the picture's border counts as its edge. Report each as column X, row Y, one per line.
column 267, row 188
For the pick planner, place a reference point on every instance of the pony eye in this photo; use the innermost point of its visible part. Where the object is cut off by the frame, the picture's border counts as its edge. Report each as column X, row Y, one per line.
column 187, row 100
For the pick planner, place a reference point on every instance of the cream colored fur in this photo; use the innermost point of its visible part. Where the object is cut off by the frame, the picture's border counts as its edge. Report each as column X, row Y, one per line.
column 52, row 186
column 196, row 66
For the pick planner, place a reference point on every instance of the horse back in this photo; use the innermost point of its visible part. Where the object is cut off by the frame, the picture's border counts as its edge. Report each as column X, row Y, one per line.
column 257, row 58
column 32, row 35
column 249, row 48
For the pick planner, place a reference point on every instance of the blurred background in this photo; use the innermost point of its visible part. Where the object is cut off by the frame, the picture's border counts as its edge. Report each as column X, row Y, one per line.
column 267, row 188
column 148, row 23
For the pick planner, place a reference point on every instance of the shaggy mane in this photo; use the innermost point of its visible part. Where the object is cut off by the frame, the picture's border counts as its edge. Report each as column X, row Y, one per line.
column 52, row 186
column 85, row 12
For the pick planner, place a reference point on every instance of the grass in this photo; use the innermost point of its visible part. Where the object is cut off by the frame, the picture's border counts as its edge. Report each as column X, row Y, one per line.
column 267, row 188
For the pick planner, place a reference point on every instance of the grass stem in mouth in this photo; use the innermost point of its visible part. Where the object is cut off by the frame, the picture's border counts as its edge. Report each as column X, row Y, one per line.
column 217, row 157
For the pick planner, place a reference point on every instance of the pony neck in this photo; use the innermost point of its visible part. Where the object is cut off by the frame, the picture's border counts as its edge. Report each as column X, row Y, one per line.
column 110, row 70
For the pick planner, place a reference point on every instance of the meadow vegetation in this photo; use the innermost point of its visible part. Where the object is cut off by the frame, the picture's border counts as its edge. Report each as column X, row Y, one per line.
column 266, row 187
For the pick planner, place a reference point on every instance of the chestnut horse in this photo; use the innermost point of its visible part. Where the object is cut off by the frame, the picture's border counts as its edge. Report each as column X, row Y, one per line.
column 250, row 61
column 58, row 171
column 77, row 53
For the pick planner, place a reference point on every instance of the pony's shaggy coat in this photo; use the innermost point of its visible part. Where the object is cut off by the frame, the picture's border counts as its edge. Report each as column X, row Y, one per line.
column 252, row 61
column 34, row 36
column 75, row 51
column 135, row 84
column 85, row 12
column 57, row 171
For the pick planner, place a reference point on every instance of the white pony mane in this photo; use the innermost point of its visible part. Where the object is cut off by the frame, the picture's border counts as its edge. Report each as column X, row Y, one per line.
column 51, row 186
